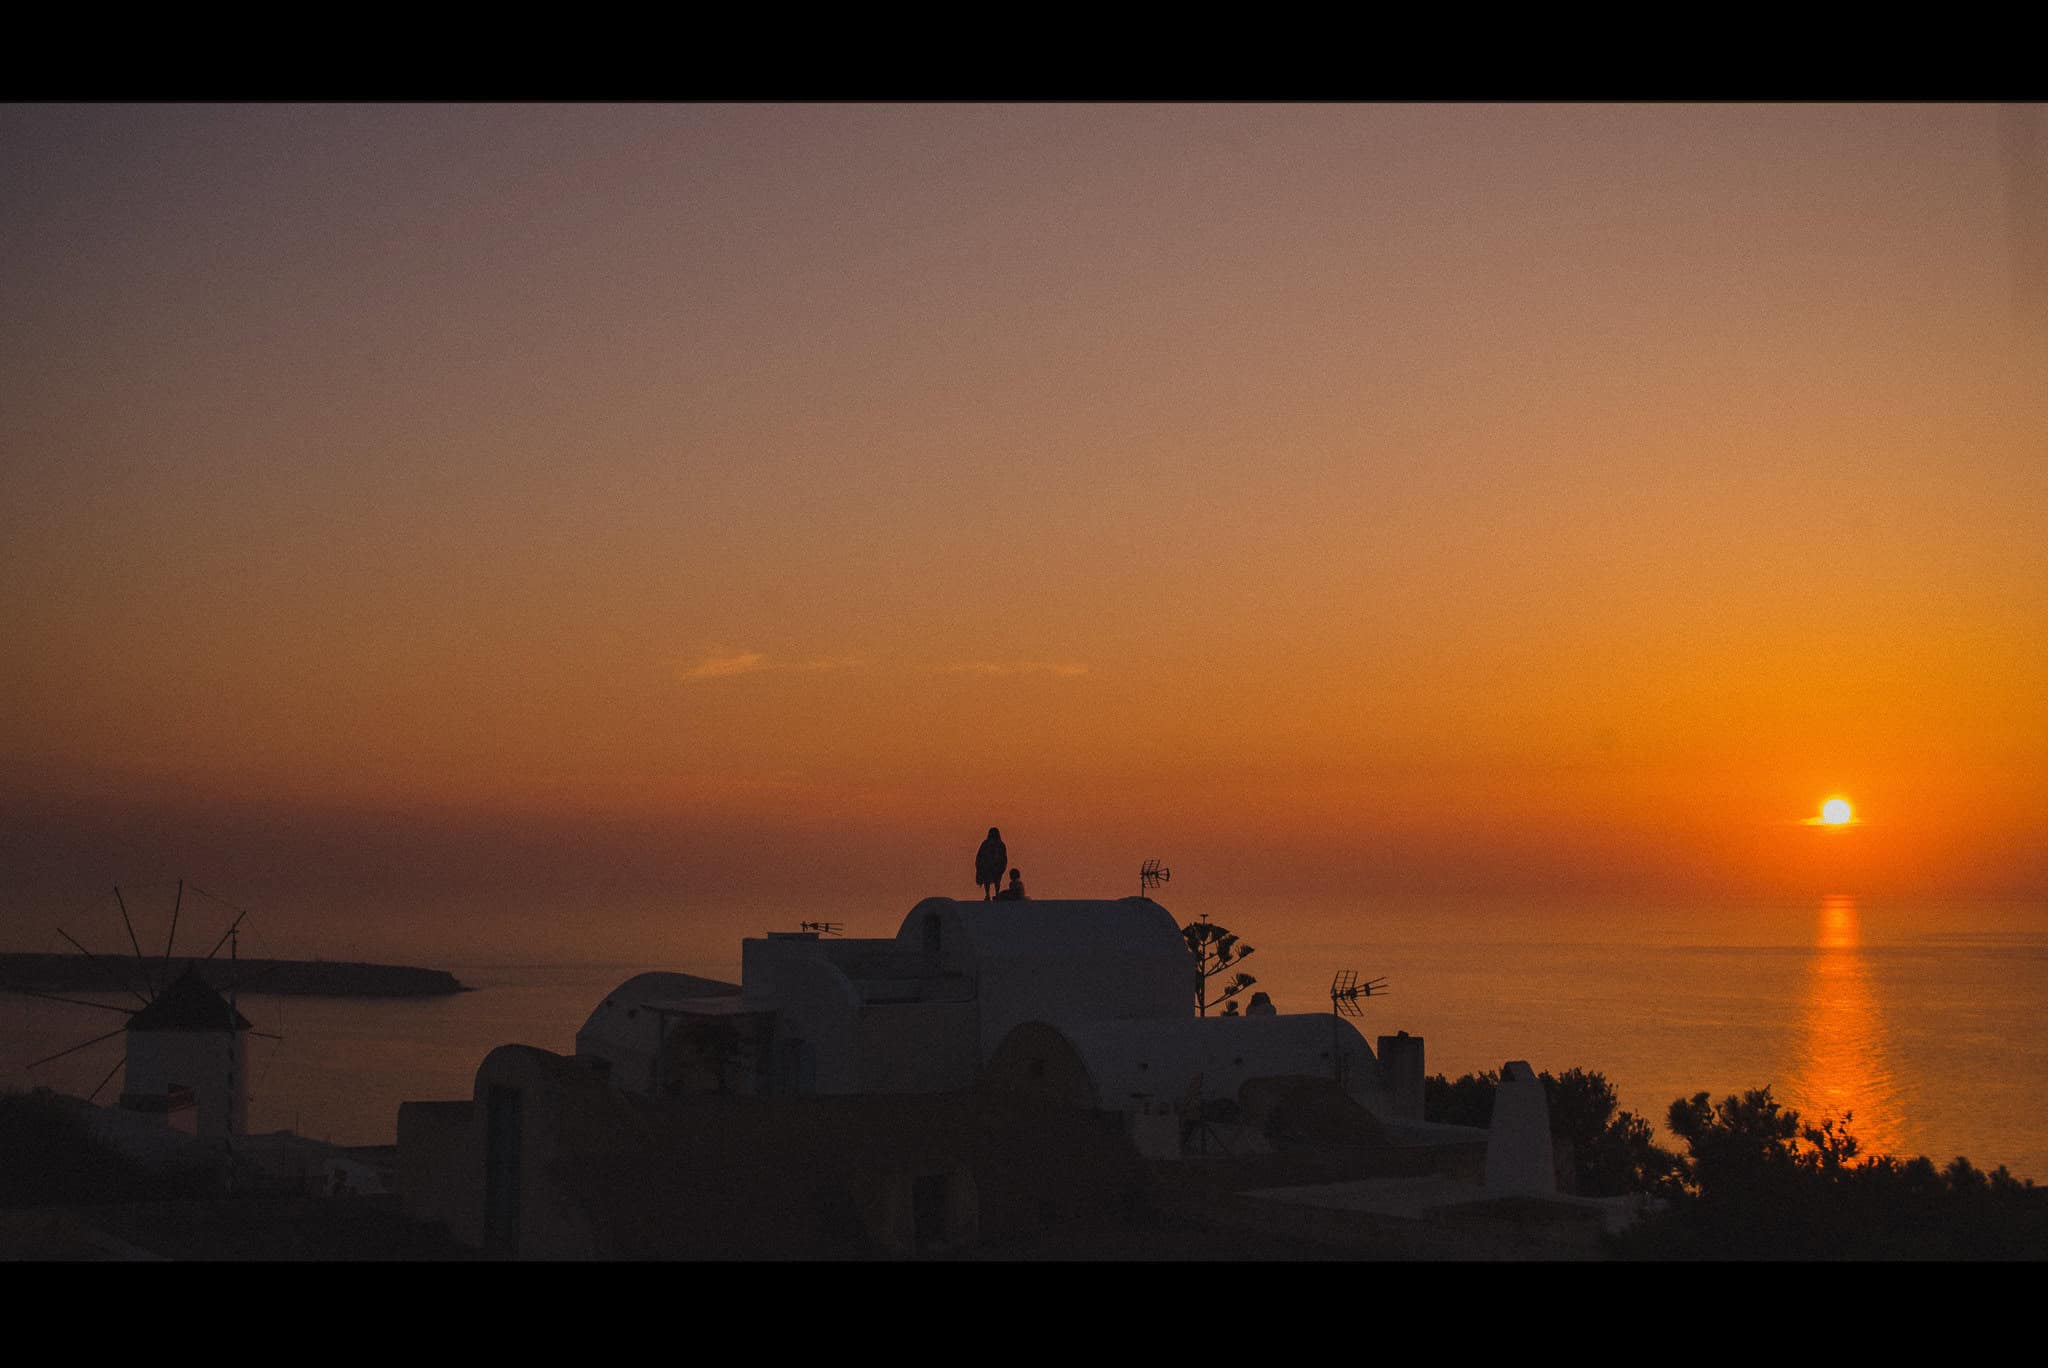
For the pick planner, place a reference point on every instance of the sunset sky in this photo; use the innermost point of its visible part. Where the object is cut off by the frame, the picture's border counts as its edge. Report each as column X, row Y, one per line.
column 753, row 503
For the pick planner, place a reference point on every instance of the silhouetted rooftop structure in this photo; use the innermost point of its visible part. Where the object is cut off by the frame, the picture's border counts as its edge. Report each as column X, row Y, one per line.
column 189, row 1004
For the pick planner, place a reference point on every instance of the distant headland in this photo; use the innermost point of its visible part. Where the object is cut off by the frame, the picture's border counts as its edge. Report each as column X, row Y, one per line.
column 282, row 978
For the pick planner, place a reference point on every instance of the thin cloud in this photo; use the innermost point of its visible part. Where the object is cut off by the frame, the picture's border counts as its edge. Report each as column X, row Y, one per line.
column 756, row 662
column 1003, row 668
column 723, row 667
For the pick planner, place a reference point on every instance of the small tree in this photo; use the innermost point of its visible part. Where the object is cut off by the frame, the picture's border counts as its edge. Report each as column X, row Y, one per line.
column 1216, row 949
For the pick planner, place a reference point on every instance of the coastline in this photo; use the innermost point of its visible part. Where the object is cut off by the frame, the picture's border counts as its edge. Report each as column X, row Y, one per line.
column 46, row 973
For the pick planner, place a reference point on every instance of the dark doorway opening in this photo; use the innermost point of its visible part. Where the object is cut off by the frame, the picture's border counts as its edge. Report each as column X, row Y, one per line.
column 501, row 1170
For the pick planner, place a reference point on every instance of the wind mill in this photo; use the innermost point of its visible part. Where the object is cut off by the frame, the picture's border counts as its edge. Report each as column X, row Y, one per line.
column 185, row 1050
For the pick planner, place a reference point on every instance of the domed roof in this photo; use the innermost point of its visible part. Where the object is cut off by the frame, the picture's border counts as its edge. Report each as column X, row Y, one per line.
column 189, row 1004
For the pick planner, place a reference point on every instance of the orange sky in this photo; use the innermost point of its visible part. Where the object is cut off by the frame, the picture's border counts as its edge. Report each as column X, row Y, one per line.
column 740, row 500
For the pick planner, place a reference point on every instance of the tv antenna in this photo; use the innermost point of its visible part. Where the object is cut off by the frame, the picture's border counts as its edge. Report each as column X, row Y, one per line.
column 1151, row 874
column 1345, row 991
column 822, row 928
column 144, row 978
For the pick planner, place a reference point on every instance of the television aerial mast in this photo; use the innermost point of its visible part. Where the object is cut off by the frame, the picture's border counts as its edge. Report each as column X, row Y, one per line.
column 1345, row 991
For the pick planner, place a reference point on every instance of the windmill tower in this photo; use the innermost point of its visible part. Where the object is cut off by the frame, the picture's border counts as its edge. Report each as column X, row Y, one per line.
column 187, row 1056
column 188, row 1060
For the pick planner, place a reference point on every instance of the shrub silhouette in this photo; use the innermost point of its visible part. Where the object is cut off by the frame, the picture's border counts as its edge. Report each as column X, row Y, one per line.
column 1602, row 1150
column 52, row 1159
column 1756, row 1181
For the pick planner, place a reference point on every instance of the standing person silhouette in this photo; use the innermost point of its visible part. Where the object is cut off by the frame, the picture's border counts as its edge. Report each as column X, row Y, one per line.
column 989, row 863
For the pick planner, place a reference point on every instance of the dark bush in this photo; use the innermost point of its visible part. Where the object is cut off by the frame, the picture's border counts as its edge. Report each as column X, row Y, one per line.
column 53, row 1160
column 1758, row 1183
column 1603, row 1151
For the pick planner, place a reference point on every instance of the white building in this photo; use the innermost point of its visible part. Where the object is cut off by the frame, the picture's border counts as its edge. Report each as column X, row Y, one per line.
column 1092, row 999
column 993, row 1070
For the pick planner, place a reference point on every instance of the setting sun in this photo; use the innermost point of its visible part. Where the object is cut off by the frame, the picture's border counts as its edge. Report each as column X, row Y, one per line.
column 1835, row 812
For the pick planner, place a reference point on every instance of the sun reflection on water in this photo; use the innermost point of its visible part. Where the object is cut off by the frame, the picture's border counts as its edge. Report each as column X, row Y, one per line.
column 1843, row 1064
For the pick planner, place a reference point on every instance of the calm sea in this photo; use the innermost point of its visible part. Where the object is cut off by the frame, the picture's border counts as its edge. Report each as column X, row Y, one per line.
column 1930, row 1037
